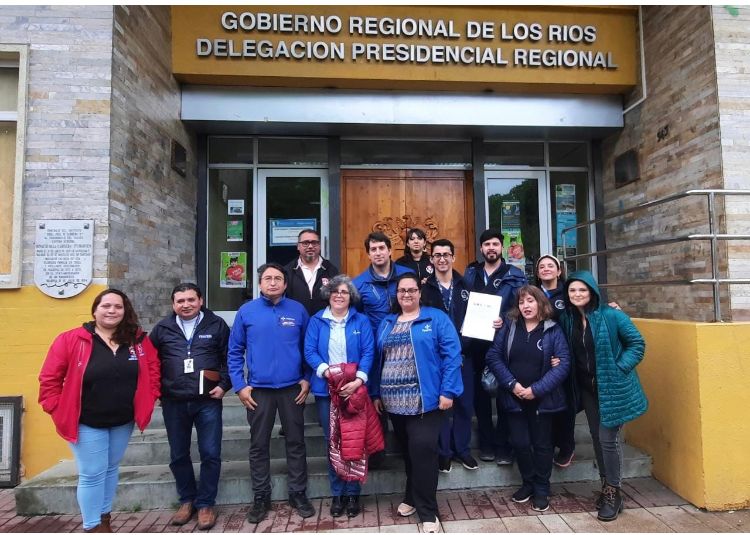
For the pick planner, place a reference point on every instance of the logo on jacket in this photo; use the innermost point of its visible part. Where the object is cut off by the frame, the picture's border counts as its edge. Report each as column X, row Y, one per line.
column 285, row 321
column 559, row 304
column 429, row 269
column 205, row 336
column 427, row 328
column 355, row 332
column 497, row 283
column 539, row 344
column 324, row 281
column 465, row 295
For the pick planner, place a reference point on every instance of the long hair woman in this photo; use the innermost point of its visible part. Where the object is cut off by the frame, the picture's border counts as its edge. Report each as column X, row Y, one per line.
column 531, row 388
column 606, row 347
column 97, row 382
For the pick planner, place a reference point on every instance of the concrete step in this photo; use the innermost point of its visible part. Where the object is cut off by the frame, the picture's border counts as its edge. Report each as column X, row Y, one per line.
column 152, row 446
column 152, row 486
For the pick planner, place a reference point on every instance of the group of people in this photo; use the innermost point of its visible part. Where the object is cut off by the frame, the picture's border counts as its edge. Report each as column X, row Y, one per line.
column 386, row 345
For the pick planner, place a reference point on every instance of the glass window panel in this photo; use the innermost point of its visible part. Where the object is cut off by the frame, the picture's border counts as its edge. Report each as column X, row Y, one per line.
column 293, row 151
column 229, row 233
column 230, row 150
column 8, row 89
column 569, row 203
column 568, row 155
column 515, row 153
column 404, row 152
column 7, row 183
column 292, row 198
column 514, row 208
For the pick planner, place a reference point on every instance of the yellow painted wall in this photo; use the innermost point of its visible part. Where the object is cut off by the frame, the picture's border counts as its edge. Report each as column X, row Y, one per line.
column 696, row 429
column 30, row 321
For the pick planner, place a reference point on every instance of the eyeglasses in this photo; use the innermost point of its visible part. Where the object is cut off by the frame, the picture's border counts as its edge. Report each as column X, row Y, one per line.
column 404, row 291
column 342, row 293
column 309, row 243
column 439, row 256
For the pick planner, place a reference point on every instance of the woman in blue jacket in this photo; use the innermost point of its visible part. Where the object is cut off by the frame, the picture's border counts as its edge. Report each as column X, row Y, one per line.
column 605, row 349
column 338, row 334
column 531, row 389
column 418, row 378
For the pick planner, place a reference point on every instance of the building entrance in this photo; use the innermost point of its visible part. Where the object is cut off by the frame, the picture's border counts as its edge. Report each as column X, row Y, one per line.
column 438, row 201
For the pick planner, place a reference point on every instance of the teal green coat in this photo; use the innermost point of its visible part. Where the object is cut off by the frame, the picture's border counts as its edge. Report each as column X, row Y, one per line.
column 619, row 347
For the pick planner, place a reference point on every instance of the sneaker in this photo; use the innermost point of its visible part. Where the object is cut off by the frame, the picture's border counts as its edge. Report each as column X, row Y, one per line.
column 404, row 509
column 337, row 506
column 444, row 464
column 259, row 510
column 504, row 460
column 563, row 460
column 469, row 462
column 540, row 503
column 431, row 527
column 300, row 503
column 487, row 456
column 523, row 494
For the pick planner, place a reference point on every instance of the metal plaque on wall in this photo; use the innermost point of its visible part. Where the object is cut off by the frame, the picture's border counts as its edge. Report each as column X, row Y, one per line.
column 63, row 258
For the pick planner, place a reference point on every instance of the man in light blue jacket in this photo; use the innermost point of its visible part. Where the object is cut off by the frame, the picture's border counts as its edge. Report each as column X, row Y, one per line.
column 267, row 338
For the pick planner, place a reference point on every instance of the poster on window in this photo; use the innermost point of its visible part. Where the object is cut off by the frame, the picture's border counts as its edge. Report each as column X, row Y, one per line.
column 510, row 226
column 235, row 230
column 233, row 270
column 565, row 212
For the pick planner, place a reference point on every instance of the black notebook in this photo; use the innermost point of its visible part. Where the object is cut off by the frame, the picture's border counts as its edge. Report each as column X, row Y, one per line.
column 207, row 381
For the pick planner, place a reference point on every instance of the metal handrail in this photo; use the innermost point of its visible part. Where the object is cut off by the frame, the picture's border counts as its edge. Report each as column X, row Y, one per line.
column 711, row 236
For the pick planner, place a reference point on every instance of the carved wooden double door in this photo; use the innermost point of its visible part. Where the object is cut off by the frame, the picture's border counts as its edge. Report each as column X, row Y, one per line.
column 438, row 202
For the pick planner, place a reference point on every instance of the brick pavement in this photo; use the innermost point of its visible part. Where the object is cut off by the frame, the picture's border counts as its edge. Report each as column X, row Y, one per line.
column 649, row 507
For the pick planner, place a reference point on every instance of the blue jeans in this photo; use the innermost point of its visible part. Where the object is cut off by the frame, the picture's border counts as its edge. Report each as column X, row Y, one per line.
column 339, row 487
column 98, row 453
column 179, row 418
column 455, row 435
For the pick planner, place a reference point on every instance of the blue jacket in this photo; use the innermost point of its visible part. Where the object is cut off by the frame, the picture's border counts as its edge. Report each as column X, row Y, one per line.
column 549, row 388
column 268, row 339
column 360, row 347
column 505, row 286
column 437, row 351
column 377, row 295
column 618, row 348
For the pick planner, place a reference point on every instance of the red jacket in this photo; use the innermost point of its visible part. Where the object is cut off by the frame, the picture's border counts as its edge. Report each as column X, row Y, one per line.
column 61, row 380
column 359, row 427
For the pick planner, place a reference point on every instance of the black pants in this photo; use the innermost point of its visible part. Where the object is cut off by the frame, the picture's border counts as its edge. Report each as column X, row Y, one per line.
column 530, row 436
column 563, row 430
column 492, row 438
column 418, row 436
column 261, row 422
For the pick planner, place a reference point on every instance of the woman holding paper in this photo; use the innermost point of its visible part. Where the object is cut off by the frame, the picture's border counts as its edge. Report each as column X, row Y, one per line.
column 97, row 381
column 419, row 376
column 531, row 389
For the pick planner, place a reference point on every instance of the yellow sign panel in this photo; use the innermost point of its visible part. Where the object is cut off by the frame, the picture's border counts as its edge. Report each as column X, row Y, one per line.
column 562, row 49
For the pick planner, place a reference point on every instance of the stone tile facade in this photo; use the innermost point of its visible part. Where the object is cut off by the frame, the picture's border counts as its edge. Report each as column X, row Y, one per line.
column 731, row 28
column 677, row 134
column 152, row 208
column 66, row 175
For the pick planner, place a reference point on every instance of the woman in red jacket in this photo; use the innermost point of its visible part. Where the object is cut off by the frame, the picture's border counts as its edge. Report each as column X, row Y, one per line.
column 96, row 382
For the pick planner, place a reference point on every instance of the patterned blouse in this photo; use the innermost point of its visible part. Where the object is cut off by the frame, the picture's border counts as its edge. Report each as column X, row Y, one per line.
column 399, row 383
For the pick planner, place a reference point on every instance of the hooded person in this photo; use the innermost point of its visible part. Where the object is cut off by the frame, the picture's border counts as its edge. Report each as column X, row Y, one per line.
column 605, row 349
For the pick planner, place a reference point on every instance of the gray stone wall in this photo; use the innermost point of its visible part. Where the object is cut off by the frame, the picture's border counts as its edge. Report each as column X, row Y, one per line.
column 682, row 98
column 731, row 28
column 152, row 208
column 66, row 174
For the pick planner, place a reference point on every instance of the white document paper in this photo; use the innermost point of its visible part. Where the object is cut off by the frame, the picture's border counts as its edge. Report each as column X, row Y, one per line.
column 481, row 311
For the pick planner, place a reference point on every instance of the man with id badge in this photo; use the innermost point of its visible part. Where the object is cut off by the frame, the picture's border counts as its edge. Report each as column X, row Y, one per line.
column 192, row 345
column 267, row 339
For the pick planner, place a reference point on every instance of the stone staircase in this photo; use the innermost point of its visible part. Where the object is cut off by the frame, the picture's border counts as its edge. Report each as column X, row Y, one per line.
column 146, row 481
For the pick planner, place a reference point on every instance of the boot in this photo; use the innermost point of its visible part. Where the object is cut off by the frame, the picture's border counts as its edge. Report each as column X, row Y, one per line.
column 106, row 523
column 600, row 496
column 611, row 504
